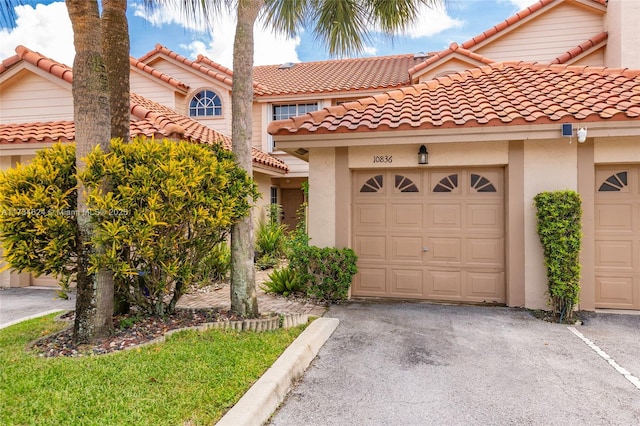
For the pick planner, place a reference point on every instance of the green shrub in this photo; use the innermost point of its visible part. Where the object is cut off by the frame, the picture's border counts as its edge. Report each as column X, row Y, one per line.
column 171, row 203
column 326, row 273
column 559, row 228
column 38, row 226
column 284, row 281
column 217, row 264
column 270, row 239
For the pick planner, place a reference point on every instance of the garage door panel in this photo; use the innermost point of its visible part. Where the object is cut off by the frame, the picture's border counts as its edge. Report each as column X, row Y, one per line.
column 371, row 216
column 615, row 292
column 444, row 284
column 371, row 248
column 485, row 252
column 445, row 250
column 446, row 217
column 616, row 217
column 406, row 282
column 485, row 217
column 405, row 216
column 406, row 249
column 486, row 287
column 614, row 254
column 370, row 282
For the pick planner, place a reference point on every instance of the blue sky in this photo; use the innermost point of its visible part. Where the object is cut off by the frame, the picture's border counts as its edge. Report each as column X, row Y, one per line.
column 44, row 26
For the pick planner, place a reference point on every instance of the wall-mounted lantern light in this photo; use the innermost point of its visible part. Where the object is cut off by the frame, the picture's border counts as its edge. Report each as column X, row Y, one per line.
column 423, row 155
column 582, row 134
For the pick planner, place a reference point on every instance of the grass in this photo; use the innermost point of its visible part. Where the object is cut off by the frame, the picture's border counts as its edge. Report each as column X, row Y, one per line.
column 194, row 377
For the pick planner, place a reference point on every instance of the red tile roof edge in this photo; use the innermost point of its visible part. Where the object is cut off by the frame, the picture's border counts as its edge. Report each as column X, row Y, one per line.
column 49, row 65
column 514, row 19
column 183, row 87
column 224, row 77
column 205, row 60
column 453, row 48
column 311, row 123
column 581, row 48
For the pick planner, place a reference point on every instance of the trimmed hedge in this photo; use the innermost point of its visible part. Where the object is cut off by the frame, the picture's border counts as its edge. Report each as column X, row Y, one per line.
column 559, row 227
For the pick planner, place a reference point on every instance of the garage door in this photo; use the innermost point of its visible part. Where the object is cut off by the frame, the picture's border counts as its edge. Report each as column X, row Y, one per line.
column 617, row 235
column 430, row 234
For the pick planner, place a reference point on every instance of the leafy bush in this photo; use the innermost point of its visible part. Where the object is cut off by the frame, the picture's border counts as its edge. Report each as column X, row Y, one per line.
column 217, row 264
column 171, row 203
column 284, row 281
column 559, row 228
column 270, row 239
column 38, row 226
column 326, row 273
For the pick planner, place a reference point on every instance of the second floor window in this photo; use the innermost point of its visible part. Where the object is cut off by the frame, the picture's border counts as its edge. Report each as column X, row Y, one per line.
column 205, row 104
column 281, row 112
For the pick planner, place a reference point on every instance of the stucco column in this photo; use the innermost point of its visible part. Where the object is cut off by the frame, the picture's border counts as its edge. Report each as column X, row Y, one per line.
column 515, row 225
column 586, row 188
column 343, row 196
column 322, row 197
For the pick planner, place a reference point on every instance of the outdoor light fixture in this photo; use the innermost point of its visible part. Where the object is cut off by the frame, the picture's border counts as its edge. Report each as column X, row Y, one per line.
column 582, row 134
column 423, row 155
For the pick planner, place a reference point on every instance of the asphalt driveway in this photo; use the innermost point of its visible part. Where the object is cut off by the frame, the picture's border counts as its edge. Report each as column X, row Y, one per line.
column 19, row 303
column 424, row 364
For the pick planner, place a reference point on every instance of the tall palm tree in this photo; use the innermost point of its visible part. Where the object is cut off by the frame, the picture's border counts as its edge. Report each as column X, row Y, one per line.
column 90, row 88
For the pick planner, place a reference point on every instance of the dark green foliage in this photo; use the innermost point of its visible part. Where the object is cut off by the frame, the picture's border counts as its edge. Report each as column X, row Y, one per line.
column 270, row 239
column 217, row 264
column 284, row 281
column 559, row 228
column 327, row 273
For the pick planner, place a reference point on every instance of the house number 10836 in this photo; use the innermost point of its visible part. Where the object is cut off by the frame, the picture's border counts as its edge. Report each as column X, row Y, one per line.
column 383, row 158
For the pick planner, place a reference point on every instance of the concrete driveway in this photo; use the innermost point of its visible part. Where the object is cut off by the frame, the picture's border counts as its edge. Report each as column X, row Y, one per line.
column 19, row 303
column 424, row 364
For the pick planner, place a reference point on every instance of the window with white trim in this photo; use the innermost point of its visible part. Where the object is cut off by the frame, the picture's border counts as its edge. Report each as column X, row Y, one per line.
column 284, row 111
column 205, row 103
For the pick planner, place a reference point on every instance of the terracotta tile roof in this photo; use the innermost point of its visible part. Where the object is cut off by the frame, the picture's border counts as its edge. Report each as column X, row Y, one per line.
column 502, row 94
column 513, row 20
column 453, row 48
column 335, row 75
column 154, row 119
column 581, row 48
column 183, row 87
column 49, row 65
column 207, row 67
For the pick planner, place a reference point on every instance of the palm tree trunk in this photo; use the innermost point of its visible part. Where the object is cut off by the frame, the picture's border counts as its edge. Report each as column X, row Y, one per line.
column 94, row 301
column 243, row 285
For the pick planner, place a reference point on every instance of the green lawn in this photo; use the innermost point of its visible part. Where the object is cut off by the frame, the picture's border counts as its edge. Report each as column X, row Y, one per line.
column 193, row 377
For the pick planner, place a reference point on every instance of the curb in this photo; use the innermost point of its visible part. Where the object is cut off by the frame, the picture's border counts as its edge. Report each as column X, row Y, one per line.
column 38, row 315
column 266, row 395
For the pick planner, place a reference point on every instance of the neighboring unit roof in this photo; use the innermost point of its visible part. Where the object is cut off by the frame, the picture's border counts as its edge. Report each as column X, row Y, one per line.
column 502, row 94
column 49, row 65
column 202, row 64
column 154, row 119
column 584, row 47
column 451, row 50
column 381, row 72
column 183, row 87
column 517, row 18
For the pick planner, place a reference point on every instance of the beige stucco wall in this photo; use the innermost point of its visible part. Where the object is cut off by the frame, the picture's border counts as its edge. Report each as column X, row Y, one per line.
column 548, row 166
column 624, row 38
column 264, row 186
column 619, row 150
column 152, row 89
column 322, row 199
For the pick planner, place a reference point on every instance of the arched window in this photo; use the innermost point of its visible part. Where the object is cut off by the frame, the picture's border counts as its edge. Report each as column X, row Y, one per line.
column 205, row 104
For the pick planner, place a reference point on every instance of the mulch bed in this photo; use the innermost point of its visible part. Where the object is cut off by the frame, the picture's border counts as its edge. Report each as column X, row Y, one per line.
column 130, row 330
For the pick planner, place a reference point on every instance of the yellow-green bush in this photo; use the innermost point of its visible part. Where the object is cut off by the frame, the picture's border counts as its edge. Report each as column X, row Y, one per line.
column 168, row 205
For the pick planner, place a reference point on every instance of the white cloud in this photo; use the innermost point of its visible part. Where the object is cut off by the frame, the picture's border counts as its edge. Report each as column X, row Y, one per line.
column 217, row 45
column 433, row 21
column 522, row 4
column 45, row 29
